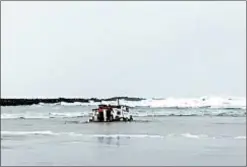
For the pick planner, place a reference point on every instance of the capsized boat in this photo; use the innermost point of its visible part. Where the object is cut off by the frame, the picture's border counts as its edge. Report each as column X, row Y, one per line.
column 110, row 113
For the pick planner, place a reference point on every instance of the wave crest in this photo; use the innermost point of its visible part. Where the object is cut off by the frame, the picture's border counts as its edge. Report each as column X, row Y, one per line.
column 76, row 134
column 202, row 102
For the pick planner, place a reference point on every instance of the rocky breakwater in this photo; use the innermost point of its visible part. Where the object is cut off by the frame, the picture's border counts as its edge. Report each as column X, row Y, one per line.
column 26, row 101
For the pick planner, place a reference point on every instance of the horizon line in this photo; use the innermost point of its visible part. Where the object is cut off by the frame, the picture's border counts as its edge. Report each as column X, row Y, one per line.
column 109, row 97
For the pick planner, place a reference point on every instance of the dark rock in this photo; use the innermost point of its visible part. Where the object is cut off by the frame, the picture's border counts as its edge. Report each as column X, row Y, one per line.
column 22, row 101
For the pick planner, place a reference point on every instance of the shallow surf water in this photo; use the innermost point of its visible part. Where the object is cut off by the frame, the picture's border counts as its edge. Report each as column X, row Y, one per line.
column 164, row 137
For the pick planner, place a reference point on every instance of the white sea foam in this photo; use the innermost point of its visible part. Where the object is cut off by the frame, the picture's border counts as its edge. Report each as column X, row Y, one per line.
column 23, row 133
column 147, row 113
column 240, row 137
column 188, row 135
column 68, row 114
column 24, row 116
column 117, row 136
column 170, row 102
column 34, row 115
column 204, row 106
column 202, row 102
column 74, row 134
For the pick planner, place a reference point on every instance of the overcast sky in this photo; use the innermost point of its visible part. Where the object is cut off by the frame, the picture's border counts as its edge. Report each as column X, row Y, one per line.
column 103, row 49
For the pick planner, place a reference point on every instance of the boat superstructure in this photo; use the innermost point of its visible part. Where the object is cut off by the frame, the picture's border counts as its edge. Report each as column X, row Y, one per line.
column 109, row 113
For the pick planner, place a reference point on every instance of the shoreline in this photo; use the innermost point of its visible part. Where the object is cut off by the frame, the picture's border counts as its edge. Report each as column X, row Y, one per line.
column 32, row 101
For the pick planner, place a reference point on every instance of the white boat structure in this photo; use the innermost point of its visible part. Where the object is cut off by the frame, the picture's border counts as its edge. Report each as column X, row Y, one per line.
column 111, row 113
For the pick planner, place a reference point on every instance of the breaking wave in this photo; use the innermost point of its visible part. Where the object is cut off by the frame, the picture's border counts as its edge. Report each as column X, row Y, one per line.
column 117, row 136
column 144, row 112
column 202, row 102
column 204, row 106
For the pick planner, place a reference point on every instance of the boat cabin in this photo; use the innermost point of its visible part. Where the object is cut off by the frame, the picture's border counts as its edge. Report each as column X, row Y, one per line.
column 109, row 113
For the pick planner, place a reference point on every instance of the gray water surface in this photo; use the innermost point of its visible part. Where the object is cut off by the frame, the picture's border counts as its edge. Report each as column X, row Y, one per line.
column 163, row 140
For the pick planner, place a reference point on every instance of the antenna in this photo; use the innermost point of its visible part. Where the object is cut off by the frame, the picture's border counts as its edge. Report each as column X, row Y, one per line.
column 153, row 114
column 118, row 101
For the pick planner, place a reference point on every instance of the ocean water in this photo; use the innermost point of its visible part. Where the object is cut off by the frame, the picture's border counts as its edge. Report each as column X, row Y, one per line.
column 162, row 134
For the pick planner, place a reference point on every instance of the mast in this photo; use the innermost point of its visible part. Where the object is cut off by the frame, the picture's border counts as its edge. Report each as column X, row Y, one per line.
column 118, row 102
